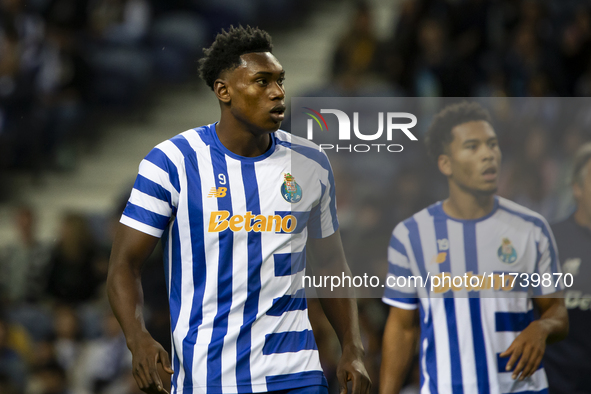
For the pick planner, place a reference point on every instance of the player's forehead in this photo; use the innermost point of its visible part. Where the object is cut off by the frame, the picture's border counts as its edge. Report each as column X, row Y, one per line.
column 479, row 130
column 259, row 63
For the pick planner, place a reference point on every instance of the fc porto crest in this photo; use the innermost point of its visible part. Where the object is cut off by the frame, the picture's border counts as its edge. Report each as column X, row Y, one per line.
column 506, row 252
column 290, row 190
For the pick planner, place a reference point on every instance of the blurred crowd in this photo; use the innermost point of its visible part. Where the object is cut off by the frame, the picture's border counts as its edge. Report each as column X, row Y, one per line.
column 57, row 332
column 466, row 48
column 63, row 60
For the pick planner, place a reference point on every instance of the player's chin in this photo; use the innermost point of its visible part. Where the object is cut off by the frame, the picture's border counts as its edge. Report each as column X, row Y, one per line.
column 266, row 127
column 273, row 125
column 488, row 189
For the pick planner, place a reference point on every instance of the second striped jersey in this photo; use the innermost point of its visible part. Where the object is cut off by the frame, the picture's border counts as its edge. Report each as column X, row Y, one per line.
column 486, row 271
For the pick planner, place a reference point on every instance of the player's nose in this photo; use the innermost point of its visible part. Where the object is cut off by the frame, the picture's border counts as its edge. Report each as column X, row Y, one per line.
column 278, row 91
column 488, row 153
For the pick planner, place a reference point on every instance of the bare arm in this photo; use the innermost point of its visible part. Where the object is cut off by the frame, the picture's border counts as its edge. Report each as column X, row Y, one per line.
column 398, row 348
column 553, row 318
column 131, row 249
column 530, row 344
column 328, row 257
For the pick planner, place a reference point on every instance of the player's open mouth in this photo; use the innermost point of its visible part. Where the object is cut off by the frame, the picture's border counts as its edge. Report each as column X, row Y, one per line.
column 278, row 112
column 490, row 174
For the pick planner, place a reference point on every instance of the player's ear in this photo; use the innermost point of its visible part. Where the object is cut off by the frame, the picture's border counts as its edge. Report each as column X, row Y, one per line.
column 220, row 88
column 444, row 164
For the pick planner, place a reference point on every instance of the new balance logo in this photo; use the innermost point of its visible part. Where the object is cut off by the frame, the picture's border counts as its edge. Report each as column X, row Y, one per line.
column 217, row 193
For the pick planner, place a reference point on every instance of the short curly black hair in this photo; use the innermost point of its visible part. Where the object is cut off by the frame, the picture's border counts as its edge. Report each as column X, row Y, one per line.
column 224, row 53
column 439, row 135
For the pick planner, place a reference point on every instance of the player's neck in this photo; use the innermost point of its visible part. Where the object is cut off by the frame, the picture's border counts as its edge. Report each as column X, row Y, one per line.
column 241, row 141
column 464, row 205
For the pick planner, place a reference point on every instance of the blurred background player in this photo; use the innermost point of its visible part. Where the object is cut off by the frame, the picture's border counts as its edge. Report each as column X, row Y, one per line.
column 568, row 363
column 239, row 319
column 470, row 344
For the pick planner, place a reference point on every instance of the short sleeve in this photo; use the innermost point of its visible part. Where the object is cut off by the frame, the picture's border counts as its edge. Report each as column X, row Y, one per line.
column 154, row 197
column 400, row 286
column 547, row 262
column 323, row 217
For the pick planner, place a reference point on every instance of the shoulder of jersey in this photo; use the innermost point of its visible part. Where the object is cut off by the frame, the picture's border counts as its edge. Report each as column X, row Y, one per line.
column 520, row 209
column 294, row 139
column 192, row 136
column 420, row 215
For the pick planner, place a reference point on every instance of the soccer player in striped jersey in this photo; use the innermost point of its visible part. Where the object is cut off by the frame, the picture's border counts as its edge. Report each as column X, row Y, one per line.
column 234, row 203
column 472, row 337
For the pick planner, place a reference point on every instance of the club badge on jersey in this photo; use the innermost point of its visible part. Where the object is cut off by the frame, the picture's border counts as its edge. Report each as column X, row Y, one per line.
column 290, row 190
column 506, row 252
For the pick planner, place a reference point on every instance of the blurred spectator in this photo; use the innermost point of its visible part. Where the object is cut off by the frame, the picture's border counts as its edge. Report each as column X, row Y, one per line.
column 357, row 48
column 23, row 265
column 122, row 64
column 72, row 277
column 71, row 15
column 528, row 59
column 68, row 337
column 359, row 62
column 12, row 365
column 177, row 39
column 433, row 70
column 576, row 46
column 495, row 85
column 19, row 132
column 105, row 362
column 49, row 379
column 28, row 26
column 583, row 83
column 63, row 83
column 120, row 21
column 44, row 353
column 6, row 386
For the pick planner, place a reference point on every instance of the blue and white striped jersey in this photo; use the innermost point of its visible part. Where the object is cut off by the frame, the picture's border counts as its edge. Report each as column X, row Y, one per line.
column 234, row 230
column 464, row 327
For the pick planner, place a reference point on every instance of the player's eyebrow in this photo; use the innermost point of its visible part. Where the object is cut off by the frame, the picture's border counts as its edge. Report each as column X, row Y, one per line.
column 269, row 73
column 477, row 141
column 471, row 141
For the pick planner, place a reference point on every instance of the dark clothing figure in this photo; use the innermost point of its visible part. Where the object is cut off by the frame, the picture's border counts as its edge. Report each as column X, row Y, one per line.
column 568, row 363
